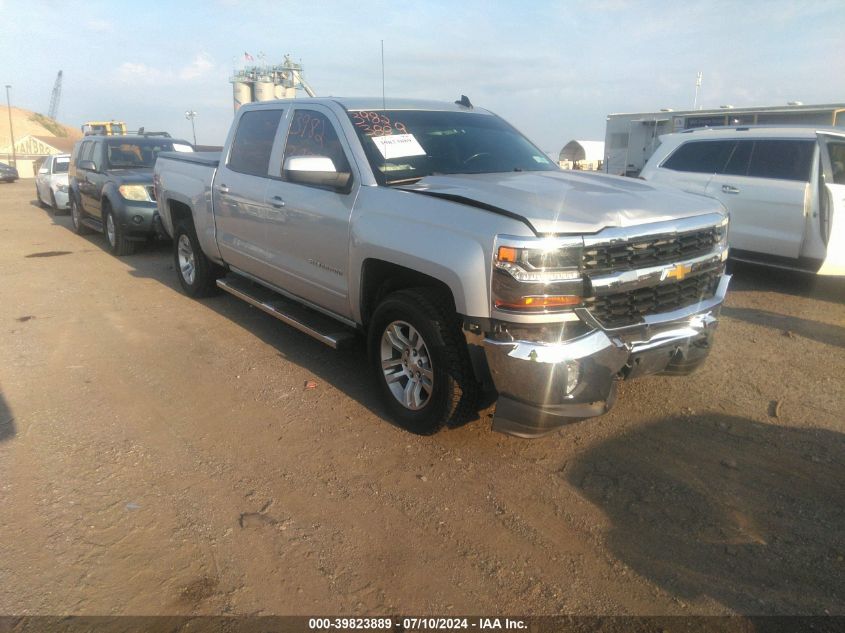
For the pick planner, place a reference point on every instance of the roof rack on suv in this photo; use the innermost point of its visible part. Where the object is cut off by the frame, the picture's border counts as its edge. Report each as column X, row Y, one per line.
column 142, row 132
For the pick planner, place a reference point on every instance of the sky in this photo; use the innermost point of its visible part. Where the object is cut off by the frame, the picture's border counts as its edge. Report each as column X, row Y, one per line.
column 553, row 69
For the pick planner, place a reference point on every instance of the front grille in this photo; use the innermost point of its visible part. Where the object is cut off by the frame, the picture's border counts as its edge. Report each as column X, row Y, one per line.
column 629, row 308
column 650, row 251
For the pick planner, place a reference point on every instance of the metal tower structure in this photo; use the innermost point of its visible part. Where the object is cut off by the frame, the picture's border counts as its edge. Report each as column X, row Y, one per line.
column 56, row 97
column 265, row 82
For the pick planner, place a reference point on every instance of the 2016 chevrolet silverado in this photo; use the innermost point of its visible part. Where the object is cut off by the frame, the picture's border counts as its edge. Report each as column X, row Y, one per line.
column 466, row 257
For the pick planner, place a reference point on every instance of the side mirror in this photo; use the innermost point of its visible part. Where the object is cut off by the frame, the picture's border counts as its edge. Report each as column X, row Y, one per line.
column 87, row 165
column 315, row 170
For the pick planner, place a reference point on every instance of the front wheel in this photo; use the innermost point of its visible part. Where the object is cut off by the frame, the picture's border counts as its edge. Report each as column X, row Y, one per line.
column 420, row 360
column 197, row 274
column 118, row 244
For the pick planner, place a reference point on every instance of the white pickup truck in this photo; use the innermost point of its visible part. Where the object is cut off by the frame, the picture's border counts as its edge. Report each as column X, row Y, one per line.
column 462, row 253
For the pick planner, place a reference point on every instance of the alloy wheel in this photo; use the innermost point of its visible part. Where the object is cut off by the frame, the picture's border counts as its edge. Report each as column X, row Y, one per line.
column 406, row 364
column 187, row 263
column 110, row 230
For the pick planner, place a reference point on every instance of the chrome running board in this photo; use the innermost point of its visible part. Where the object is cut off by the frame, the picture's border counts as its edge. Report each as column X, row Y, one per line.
column 319, row 326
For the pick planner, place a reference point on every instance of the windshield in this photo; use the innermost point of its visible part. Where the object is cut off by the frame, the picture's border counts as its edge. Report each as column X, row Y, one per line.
column 403, row 146
column 129, row 154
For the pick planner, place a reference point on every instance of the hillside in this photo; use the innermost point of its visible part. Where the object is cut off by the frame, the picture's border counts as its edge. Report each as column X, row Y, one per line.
column 25, row 122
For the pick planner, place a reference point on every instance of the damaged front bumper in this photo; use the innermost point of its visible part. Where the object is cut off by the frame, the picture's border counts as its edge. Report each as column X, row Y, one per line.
column 544, row 385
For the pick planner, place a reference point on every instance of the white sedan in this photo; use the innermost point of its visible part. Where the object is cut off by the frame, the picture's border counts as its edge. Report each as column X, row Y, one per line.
column 51, row 181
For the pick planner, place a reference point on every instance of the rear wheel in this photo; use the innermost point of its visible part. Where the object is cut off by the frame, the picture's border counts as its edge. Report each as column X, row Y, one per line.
column 76, row 218
column 421, row 362
column 197, row 274
column 118, row 244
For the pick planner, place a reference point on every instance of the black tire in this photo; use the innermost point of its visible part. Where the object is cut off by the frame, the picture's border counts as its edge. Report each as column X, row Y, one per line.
column 76, row 218
column 38, row 197
column 197, row 278
column 54, row 207
column 115, row 238
column 452, row 395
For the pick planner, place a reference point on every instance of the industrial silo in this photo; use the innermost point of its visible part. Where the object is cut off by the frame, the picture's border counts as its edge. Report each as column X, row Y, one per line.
column 242, row 93
column 264, row 89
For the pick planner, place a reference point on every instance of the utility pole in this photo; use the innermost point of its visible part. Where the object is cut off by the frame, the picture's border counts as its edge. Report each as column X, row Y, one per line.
column 191, row 115
column 697, row 88
column 11, row 131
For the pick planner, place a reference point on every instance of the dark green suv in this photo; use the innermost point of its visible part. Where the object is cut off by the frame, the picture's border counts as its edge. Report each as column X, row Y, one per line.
column 110, row 183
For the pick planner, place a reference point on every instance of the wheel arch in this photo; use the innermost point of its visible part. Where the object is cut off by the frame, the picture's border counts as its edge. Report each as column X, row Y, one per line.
column 380, row 278
column 113, row 201
column 179, row 212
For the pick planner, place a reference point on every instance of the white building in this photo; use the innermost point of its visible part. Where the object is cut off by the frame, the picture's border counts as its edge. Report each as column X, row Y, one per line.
column 585, row 155
column 31, row 150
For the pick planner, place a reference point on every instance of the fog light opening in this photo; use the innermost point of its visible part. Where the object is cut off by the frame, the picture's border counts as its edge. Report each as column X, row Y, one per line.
column 573, row 374
column 137, row 219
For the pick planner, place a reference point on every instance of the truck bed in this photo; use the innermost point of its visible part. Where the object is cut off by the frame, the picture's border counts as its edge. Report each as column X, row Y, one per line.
column 209, row 159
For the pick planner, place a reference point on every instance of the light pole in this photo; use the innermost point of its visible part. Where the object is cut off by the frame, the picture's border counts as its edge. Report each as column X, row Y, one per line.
column 190, row 114
column 11, row 131
column 697, row 88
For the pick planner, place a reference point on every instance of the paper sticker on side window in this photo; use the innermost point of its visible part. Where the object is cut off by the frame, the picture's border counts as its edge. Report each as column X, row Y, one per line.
column 398, row 146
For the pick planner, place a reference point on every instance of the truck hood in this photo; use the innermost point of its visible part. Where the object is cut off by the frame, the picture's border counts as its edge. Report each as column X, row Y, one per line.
column 568, row 202
column 140, row 176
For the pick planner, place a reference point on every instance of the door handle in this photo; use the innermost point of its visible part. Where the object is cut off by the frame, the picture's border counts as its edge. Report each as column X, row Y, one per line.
column 729, row 189
column 222, row 188
column 277, row 202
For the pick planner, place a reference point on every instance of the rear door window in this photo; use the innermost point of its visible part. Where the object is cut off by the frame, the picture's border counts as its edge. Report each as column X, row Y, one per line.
column 704, row 157
column 87, row 151
column 253, row 142
column 737, row 164
column 782, row 159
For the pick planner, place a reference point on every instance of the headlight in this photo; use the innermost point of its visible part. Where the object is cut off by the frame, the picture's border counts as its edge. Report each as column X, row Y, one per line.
column 721, row 236
column 135, row 192
column 550, row 260
column 537, row 275
column 62, row 188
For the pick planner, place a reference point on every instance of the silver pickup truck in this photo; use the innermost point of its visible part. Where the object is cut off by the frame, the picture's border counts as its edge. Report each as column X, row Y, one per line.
column 472, row 264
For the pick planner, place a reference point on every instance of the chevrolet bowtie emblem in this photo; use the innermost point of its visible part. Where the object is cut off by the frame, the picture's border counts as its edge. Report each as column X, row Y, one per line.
column 678, row 271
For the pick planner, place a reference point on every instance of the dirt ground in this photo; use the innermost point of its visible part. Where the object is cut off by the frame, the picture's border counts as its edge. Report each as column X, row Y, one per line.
column 160, row 455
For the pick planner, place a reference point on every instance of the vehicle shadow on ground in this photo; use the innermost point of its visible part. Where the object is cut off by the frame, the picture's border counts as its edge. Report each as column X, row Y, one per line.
column 53, row 214
column 7, row 421
column 346, row 370
column 761, row 279
column 814, row 330
column 154, row 246
column 749, row 514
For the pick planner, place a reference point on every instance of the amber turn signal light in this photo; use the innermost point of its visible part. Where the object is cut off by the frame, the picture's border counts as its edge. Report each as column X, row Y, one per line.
column 540, row 302
column 506, row 254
